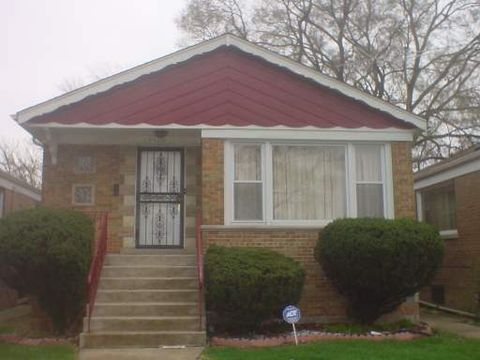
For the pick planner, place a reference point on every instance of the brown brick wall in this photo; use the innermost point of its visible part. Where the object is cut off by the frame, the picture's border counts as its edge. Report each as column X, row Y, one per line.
column 460, row 272
column 320, row 301
column 212, row 181
column 113, row 165
column 403, row 195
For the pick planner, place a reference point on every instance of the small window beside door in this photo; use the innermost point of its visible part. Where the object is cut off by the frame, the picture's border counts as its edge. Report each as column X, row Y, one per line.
column 83, row 194
column 84, row 164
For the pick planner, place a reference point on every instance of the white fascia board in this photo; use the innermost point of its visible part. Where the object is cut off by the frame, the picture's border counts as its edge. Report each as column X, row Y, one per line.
column 259, row 132
column 9, row 185
column 207, row 46
column 449, row 174
column 311, row 133
column 118, row 79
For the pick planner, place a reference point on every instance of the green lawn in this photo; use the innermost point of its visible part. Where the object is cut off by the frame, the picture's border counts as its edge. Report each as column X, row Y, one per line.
column 43, row 352
column 438, row 347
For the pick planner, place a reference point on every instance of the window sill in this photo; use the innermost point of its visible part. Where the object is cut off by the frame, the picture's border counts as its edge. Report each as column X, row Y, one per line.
column 449, row 234
column 263, row 227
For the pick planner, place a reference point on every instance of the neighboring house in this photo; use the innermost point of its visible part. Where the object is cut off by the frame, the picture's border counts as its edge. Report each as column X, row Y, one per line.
column 16, row 194
column 268, row 150
column 448, row 196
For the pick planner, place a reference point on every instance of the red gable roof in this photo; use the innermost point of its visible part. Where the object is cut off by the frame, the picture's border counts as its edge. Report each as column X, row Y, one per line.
column 223, row 87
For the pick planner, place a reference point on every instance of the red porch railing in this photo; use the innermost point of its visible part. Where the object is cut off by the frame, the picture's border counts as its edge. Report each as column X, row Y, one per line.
column 199, row 243
column 99, row 249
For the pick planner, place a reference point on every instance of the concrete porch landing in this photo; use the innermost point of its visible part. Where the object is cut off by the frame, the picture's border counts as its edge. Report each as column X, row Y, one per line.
column 189, row 353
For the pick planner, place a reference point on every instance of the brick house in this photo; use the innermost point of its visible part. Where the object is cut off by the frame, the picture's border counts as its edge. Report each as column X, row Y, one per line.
column 16, row 194
column 448, row 196
column 268, row 151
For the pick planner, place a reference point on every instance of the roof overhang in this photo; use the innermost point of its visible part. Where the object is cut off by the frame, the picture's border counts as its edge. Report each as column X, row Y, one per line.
column 466, row 163
column 23, row 116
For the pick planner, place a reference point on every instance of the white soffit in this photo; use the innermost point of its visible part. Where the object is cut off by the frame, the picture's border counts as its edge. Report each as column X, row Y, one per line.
column 311, row 133
column 205, row 47
column 454, row 172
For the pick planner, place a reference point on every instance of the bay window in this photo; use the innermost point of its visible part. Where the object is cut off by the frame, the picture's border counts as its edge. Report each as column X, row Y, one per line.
column 308, row 182
column 280, row 183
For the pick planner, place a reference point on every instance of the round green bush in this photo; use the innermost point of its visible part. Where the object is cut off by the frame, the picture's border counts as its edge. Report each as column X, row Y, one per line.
column 377, row 263
column 51, row 250
column 246, row 286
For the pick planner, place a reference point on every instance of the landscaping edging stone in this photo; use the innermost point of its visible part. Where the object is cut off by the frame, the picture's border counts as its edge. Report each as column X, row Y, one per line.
column 306, row 336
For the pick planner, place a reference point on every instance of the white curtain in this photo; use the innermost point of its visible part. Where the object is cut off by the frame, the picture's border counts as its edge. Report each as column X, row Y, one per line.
column 308, row 182
column 248, row 199
column 248, row 162
column 368, row 163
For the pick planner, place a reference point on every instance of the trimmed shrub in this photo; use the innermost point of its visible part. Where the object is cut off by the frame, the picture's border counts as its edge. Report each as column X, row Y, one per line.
column 377, row 263
column 50, row 248
column 247, row 286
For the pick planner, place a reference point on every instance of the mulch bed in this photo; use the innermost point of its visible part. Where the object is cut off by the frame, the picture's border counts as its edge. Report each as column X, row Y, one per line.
column 20, row 340
column 306, row 336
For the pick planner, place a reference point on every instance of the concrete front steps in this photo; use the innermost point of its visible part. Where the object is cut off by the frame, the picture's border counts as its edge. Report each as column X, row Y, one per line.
column 146, row 299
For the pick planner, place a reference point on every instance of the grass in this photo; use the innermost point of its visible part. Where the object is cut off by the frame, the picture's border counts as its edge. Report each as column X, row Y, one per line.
column 42, row 352
column 438, row 347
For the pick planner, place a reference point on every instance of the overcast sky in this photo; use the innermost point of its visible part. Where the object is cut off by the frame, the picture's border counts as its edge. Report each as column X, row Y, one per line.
column 45, row 42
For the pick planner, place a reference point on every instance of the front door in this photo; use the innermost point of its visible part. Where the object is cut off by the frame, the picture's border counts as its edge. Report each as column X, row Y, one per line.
column 160, row 198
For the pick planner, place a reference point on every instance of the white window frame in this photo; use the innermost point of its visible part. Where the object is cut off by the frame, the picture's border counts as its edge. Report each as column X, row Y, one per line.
column 262, row 181
column 267, row 178
column 444, row 234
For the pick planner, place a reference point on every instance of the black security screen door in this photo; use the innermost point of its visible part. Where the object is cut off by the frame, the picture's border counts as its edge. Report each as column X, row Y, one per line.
column 160, row 198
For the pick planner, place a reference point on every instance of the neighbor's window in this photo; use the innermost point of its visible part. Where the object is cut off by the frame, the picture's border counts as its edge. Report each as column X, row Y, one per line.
column 83, row 194
column 438, row 207
column 369, row 184
column 248, row 183
column 308, row 182
column 84, row 164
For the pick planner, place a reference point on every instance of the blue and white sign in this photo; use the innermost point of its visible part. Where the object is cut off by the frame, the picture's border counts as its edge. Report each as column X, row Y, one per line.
column 291, row 314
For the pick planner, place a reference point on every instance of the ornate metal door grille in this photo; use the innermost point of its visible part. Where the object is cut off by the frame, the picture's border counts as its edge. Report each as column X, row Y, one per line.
column 160, row 198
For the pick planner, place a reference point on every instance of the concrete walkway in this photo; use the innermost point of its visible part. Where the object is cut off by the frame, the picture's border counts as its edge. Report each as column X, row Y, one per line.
column 452, row 324
column 189, row 353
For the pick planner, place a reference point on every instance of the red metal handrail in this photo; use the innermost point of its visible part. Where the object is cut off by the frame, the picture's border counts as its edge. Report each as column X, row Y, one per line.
column 99, row 251
column 199, row 244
